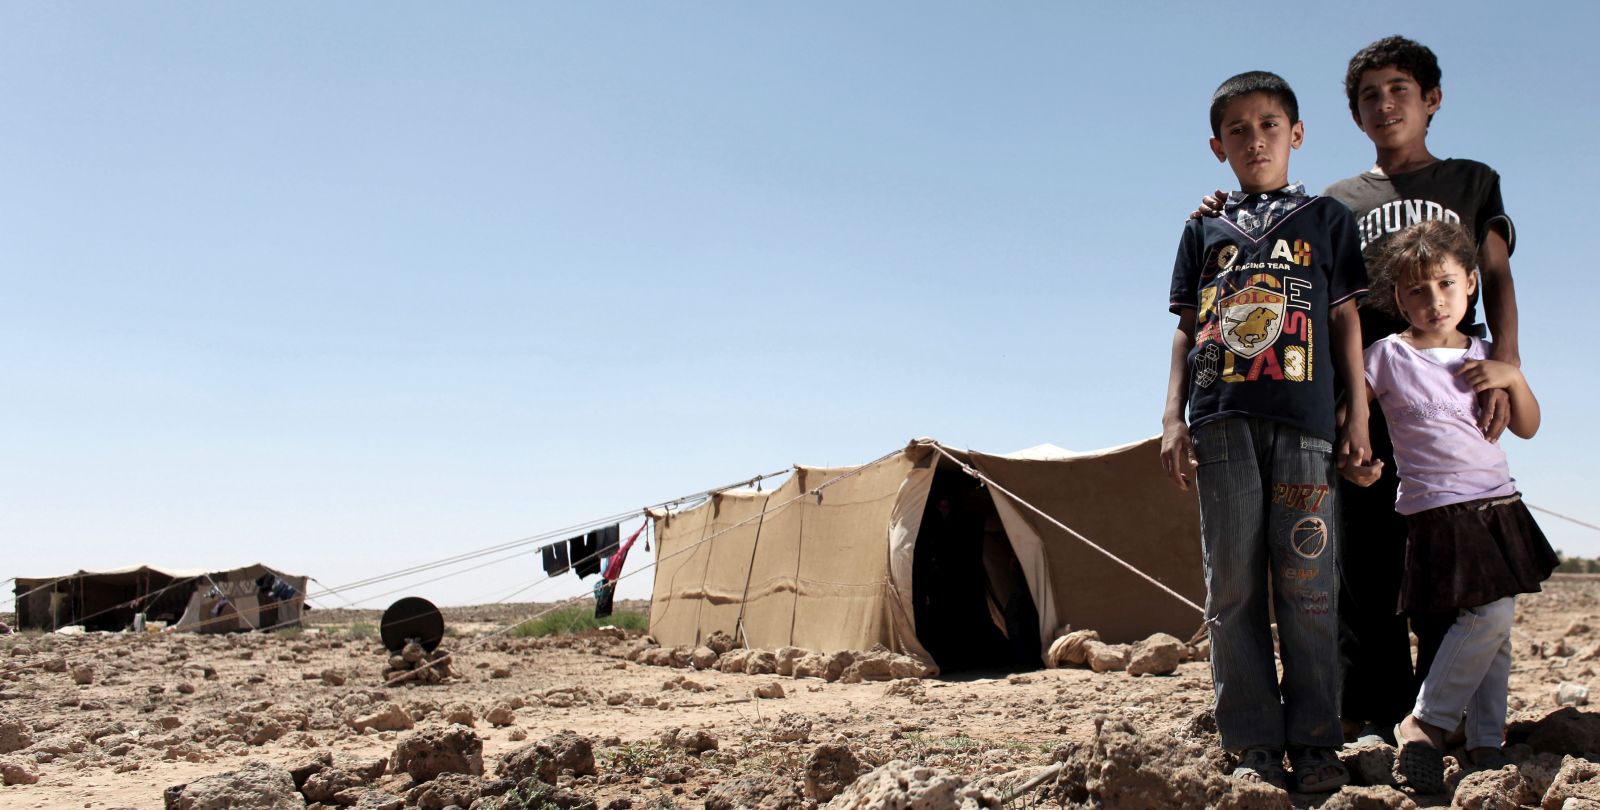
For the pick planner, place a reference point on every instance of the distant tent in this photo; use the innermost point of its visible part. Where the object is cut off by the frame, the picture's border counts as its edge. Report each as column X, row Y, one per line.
column 912, row 553
column 199, row 600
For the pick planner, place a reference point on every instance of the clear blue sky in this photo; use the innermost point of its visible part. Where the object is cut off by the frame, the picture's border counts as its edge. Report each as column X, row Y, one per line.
column 348, row 287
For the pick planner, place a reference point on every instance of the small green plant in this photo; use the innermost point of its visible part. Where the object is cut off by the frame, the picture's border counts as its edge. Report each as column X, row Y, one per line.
column 577, row 619
column 634, row 759
column 530, row 794
column 360, row 631
column 960, row 743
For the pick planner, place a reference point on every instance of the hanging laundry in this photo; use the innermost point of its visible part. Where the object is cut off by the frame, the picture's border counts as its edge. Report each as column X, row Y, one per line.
column 603, row 591
column 585, row 551
column 555, row 559
column 277, row 589
column 614, row 564
column 606, row 539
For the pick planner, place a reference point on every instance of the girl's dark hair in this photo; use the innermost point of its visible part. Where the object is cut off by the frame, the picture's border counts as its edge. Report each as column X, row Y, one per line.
column 1415, row 251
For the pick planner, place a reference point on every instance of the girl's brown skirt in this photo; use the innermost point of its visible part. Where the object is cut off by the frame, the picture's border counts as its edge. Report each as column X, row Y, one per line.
column 1469, row 554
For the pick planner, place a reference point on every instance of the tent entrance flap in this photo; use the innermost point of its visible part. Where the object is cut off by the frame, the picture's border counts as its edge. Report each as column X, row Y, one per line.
column 973, row 608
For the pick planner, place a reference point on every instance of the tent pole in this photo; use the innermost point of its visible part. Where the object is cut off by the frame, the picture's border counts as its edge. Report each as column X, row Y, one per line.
column 738, row 623
column 700, row 603
column 794, row 606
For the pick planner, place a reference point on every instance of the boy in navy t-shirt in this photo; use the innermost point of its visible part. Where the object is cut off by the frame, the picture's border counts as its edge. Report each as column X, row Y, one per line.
column 1266, row 300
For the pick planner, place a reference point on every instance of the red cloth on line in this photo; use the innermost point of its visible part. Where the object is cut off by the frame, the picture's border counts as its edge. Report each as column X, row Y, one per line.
column 614, row 565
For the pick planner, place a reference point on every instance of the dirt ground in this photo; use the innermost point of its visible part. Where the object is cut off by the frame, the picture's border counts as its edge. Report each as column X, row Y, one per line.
column 110, row 720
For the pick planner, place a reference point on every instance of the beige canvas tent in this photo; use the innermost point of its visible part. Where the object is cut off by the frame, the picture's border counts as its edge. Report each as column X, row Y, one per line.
column 914, row 554
column 199, row 600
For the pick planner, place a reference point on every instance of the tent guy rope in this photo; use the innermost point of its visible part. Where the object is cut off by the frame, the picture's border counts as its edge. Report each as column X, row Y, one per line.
column 970, row 470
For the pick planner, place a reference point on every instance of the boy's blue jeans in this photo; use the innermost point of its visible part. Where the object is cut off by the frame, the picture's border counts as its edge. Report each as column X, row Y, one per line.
column 1267, row 514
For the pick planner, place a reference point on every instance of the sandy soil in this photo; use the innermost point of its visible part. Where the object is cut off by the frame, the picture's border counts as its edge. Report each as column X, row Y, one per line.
column 112, row 719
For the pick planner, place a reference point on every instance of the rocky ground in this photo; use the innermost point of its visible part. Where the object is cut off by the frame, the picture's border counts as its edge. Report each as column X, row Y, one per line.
column 305, row 718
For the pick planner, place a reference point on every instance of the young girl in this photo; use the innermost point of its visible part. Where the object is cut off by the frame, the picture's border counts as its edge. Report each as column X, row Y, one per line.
column 1471, row 543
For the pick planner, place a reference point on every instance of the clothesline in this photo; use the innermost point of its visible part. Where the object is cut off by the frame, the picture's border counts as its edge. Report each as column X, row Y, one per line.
column 542, row 537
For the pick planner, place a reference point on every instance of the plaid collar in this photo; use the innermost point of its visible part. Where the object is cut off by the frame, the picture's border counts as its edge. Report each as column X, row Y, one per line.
column 1257, row 212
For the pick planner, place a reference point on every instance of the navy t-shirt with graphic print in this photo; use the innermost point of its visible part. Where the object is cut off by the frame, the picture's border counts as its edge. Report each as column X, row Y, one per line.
column 1262, row 279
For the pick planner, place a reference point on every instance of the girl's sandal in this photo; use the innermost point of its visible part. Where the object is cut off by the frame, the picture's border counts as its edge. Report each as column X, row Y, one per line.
column 1420, row 765
column 1488, row 759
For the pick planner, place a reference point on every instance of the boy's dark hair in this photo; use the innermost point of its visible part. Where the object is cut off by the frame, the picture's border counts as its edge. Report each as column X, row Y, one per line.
column 1413, row 252
column 1255, row 81
column 1405, row 54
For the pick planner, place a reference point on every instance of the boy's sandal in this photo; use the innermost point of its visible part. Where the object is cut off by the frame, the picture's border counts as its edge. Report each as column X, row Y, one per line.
column 1317, row 770
column 1264, row 765
column 1420, row 765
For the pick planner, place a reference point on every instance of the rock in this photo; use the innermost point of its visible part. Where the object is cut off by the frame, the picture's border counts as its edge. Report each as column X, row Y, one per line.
column 1120, row 768
column 829, row 770
column 256, row 786
column 759, row 792
column 760, row 662
column 791, row 728
column 770, row 690
column 333, row 677
column 1504, row 789
column 1159, row 654
column 733, row 661
column 827, row 666
column 559, row 698
column 908, row 666
column 1578, row 778
column 1106, row 657
column 263, row 731
column 18, row 771
column 1253, row 796
column 389, row 717
column 412, row 652
column 429, row 753
column 460, row 714
column 325, row 784
column 455, row 790
column 786, row 658
column 720, row 642
column 681, row 657
column 692, row 740
column 899, row 784
column 1563, row 731
column 1577, row 629
column 501, row 716
column 83, row 674
column 1571, row 694
column 14, row 736
column 872, row 666
column 313, row 763
column 369, row 769
column 378, row 800
column 1369, row 763
column 1068, row 650
column 547, row 758
column 1378, row 797
column 703, row 657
